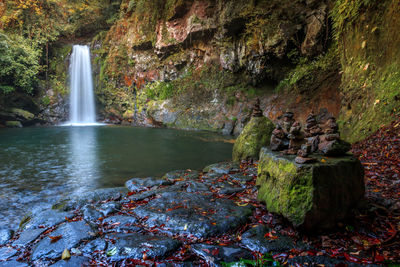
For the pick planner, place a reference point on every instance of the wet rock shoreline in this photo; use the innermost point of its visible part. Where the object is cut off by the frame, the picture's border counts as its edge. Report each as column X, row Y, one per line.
column 185, row 218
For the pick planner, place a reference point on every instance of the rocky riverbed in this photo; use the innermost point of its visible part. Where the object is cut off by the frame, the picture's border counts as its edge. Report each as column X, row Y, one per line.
column 185, row 218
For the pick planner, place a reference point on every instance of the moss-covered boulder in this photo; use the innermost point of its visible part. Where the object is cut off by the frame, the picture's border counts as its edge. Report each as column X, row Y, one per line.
column 311, row 196
column 13, row 124
column 256, row 134
column 23, row 114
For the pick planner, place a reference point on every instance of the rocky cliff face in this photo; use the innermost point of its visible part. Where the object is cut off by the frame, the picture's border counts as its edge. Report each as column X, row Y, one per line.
column 201, row 64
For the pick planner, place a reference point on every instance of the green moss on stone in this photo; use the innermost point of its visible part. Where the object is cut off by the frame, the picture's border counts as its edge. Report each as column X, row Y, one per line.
column 285, row 188
column 256, row 134
column 13, row 124
column 23, row 113
column 310, row 195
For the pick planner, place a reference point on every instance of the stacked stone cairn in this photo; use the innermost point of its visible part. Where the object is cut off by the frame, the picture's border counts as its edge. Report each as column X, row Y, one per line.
column 289, row 138
column 257, row 112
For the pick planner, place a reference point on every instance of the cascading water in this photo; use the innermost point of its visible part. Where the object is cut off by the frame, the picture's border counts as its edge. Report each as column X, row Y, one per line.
column 82, row 109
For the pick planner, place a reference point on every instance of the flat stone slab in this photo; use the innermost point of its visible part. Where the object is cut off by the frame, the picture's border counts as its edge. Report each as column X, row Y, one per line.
column 181, row 175
column 191, row 214
column 255, row 240
column 91, row 197
column 122, row 222
column 46, row 218
column 28, row 236
column 139, row 246
column 6, row 253
column 195, row 186
column 13, row 263
column 240, row 178
column 90, row 214
column 94, row 212
column 74, row 261
column 138, row 184
column 93, row 245
column 222, row 168
column 215, row 255
column 71, row 235
column 5, row 235
column 311, row 196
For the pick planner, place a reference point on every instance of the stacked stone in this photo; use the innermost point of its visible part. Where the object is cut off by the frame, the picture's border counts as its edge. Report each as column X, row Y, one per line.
column 289, row 138
column 312, row 128
column 296, row 138
column 287, row 121
column 332, row 129
column 257, row 112
column 312, row 132
column 279, row 138
column 330, row 143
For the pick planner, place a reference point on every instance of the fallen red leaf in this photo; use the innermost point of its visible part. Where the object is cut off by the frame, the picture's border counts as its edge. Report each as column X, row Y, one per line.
column 55, row 238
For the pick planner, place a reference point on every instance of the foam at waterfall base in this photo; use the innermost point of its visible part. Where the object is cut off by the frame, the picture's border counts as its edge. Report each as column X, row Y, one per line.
column 83, row 124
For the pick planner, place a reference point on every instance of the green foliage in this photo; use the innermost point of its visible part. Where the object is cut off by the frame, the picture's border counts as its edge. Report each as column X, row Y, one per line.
column 159, row 90
column 6, row 89
column 18, row 64
column 376, row 102
column 307, row 70
column 265, row 260
column 46, row 101
column 346, row 12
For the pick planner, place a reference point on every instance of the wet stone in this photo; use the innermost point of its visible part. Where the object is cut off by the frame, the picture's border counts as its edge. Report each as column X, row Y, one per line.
column 109, row 208
column 226, row 188
column 94, row 245
column 28, row 236
column 197, row 215
column 92, row 197
column 193, row 186
column 6, row 253
column 178, row 186
column 134, row 246
column 254, row 240
column 71, row 235
column 138, row 184
column 181, row 174
column 72, row 262
column 240, row 178
column 47, row 218
column 215, row 255
column 122, row 222
column 211, row 176
column 5, row 235
column 13, row 263
column 143, row 195
column 90, row 214
column 222, row 168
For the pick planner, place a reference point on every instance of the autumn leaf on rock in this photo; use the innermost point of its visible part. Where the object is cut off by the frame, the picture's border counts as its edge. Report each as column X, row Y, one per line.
column 55, row 238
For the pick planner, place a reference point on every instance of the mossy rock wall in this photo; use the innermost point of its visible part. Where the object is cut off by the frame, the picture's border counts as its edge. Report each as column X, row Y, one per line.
column 368, row 44
column 311, row 196
column 256, row 134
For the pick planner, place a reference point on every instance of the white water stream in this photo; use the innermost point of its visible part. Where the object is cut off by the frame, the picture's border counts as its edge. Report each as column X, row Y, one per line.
column 82, row 107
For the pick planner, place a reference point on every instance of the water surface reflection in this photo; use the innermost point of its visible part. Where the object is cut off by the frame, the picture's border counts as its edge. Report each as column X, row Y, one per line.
column 38, row 166
column 82, row 162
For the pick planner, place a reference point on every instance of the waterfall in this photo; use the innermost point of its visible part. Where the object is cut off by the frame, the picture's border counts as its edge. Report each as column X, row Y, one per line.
column 82, row 109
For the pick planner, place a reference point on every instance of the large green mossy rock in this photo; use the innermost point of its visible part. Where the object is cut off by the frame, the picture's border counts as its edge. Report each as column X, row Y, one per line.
column 256, row 134
column 311, row 196
column 13, row 124
column 23, row 114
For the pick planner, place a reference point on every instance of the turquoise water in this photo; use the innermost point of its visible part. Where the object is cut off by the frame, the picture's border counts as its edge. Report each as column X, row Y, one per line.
column 42, row 165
